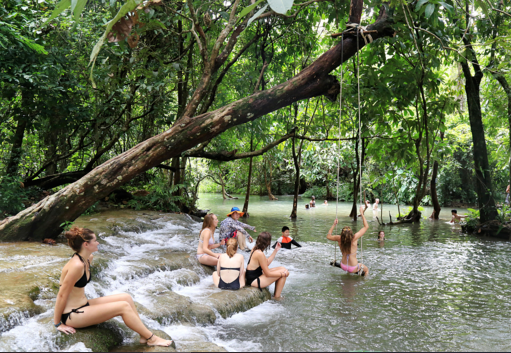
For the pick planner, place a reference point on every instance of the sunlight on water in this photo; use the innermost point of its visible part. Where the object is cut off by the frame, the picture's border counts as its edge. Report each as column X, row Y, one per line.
column 430, row 287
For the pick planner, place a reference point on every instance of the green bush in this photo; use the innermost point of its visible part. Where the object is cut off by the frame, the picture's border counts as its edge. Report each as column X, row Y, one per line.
column 317, row 191
column 12, row 195
column 473, row 218
column 160, row 198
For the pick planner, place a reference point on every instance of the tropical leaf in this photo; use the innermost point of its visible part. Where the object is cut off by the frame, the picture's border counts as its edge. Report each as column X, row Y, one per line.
column 61, row 6
column 257, row 14
column 247, row 9
column 281, row 6
column 78, row 8
column 129, row 6
column 429, row 10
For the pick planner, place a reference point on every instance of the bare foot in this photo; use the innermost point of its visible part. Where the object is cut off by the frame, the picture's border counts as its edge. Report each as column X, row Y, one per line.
column 157, row 341
column 142, row 340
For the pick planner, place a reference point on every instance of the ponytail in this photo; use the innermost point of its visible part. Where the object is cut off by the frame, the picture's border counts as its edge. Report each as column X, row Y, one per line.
column 77, row 236
column 232, row 247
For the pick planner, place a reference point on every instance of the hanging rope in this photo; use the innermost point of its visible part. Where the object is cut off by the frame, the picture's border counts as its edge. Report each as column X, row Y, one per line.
column 339, row 144
column 360, row 29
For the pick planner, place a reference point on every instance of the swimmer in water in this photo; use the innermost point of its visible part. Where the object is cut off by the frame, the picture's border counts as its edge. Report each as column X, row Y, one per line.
column 285, row 240
column 456, row 218
column 73, row 310
column 348, row 243
column 381, row 235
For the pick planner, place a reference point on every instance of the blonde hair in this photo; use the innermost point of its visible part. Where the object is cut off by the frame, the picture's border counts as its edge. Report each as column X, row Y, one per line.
column 77, row 236
column 346, row 239
column 232, row 247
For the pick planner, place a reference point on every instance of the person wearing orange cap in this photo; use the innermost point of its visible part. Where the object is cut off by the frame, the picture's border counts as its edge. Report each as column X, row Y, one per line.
column 231, row 227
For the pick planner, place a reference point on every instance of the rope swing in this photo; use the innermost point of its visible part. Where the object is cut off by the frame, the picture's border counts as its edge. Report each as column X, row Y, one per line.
column 362, row 31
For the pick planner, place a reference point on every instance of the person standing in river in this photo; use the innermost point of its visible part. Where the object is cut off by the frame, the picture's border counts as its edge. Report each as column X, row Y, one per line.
column 207, row 241
column 348, row 243
column 258, row 272
column 73, row 310
column 232, row 228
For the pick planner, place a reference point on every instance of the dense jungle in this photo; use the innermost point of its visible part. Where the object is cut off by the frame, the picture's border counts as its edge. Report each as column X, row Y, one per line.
column 144, row 104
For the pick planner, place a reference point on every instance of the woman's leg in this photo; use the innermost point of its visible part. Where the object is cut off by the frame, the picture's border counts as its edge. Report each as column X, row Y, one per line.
column 216, row 278
column 242, row 241
column 117, row 298
column 366, row 270
column 96, row 314
column 208, row 260
column 266, row 281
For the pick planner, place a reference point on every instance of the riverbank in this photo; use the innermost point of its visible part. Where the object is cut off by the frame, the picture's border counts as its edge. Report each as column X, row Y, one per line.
column 30, row 272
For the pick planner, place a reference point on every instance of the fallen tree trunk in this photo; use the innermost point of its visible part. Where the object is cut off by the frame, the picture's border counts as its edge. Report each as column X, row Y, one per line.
column 45, row 218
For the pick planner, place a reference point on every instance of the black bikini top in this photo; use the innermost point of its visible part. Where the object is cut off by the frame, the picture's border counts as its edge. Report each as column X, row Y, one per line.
column 82, row 282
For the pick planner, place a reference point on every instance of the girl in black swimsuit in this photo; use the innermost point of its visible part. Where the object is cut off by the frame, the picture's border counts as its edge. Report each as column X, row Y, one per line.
column 258, row 273
column 230, row 273
column 73, row 310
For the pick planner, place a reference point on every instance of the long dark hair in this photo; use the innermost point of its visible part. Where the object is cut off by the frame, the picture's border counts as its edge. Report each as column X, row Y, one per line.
column 346, row 239
column 263, row 241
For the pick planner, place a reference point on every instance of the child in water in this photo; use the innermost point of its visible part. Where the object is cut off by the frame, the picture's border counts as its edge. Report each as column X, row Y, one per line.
column 285, row 240
column 456, row 218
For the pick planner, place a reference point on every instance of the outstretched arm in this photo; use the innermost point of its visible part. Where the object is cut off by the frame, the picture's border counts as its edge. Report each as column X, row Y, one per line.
column 294, row 242
column 366, row 225
column 329, row 236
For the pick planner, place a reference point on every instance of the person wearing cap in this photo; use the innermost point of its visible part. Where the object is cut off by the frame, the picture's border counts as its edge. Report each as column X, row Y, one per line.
column 231, row 227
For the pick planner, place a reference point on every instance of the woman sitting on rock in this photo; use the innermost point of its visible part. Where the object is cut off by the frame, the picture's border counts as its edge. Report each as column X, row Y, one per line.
column 74, row 310
column 230, row 270
column 258, row 273
column 207, row 241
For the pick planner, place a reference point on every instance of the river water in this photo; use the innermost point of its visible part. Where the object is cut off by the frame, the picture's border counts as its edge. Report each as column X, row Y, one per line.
column 430, row 287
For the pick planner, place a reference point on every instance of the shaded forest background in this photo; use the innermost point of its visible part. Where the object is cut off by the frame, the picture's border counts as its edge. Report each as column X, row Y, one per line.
column 55, row 126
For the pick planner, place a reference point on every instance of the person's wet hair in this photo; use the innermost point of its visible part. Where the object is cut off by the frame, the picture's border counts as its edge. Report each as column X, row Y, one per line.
column 263, row 241
column 232, row 247
column 208, row 221
column 454, row 211
column 285, row 228
column 346, row 239
column 77, row 236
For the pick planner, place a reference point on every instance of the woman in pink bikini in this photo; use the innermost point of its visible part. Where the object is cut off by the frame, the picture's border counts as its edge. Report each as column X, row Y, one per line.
column 348, row 245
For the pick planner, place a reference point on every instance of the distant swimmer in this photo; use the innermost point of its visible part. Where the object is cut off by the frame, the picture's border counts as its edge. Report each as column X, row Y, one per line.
column 375, row 205
column 73, row 310
column 285, row 240
column 312, row 202
column 325, row 203
column 456, row 218
column 381, row 235
column 348, row 244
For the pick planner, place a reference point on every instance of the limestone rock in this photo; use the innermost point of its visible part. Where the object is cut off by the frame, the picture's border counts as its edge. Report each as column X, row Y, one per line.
column 229, row 302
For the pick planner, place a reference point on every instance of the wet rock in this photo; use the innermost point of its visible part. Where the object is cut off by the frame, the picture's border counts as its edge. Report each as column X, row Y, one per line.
column 168, row 261
column 229, row 302
column 169, row 307
column 137, row 347
column 98, row 338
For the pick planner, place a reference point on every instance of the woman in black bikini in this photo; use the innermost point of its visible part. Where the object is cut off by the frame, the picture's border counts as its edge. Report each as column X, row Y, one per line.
column 74, row 310
column 230, row 273
column 258, row 273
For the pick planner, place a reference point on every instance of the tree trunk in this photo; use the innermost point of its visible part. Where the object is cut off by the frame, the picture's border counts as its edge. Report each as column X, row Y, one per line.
column 268, row 184
column 297, row 182
column 224, row 194
column 24, row 118
column 434, row 196
column 484, row 187
column 44, row 219
column 247, row 196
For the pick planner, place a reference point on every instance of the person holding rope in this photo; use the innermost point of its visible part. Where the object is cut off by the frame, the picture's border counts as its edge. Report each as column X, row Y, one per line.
column 348, row 243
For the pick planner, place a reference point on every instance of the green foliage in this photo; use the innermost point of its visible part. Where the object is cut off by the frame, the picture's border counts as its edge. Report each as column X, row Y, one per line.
column 318, row 191
column 472, row 218
column 161, row 198
column 93, row 209
column 66, row 225
column 12, row 195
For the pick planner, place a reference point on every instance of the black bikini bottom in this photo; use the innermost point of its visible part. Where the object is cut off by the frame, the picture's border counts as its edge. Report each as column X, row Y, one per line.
column 66, row 316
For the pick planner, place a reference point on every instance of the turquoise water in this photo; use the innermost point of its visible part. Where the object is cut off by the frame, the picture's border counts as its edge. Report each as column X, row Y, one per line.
column 430, row 286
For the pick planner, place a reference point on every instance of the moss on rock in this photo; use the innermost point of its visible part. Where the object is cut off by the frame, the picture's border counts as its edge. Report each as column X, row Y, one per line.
column 98, row 338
